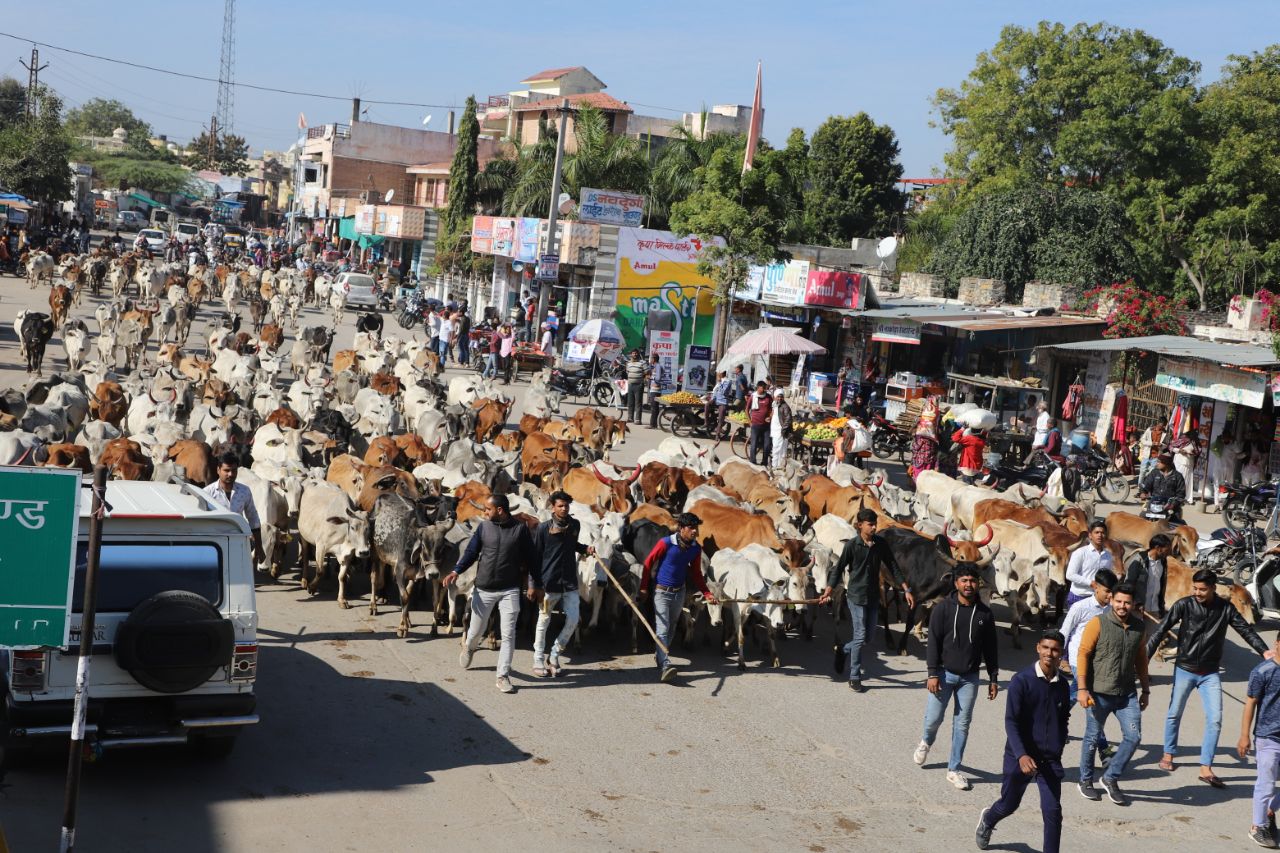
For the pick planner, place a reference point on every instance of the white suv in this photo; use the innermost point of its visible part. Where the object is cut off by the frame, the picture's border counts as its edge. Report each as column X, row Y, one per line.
column 175, row 647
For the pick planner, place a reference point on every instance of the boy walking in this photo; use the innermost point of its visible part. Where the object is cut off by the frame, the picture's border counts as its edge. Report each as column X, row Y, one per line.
column 1263, row 703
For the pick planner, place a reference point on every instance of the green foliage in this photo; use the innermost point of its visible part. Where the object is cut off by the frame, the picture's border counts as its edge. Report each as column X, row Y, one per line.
column 452, row 250
column 13, row 101
column 230, row 155
column 34, row 155
column 153, row 174
column 852, row 171
column 100, row 117
column 1027, row 233
column 673, row 175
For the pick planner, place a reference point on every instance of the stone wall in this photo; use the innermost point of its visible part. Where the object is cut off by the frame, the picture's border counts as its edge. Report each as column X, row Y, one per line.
column 1047, row 294
column 981, row 291
column 919, row 284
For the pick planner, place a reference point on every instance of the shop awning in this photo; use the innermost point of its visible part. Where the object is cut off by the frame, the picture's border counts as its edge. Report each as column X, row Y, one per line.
column 147, row 201
column 987, row 323
column 367, row 240
column 347, row 228
column 1176, row 346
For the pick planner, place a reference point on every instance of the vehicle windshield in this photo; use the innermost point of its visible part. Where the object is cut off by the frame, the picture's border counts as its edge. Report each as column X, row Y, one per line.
column 131, row 572
column 360, row 281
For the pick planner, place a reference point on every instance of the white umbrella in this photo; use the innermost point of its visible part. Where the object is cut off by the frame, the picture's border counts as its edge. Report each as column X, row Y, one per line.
column 773, row 340
column 601, row 337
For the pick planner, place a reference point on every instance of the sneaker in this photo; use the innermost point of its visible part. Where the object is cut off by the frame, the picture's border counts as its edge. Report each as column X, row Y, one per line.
column 504, row 684
column 1089, row 792
column 856, row 686
column 956, row 778
column 1112, row 787
column 1263, row 837
column 982, row 837
column 921, row 753
column 464, row 658
column 668, row 675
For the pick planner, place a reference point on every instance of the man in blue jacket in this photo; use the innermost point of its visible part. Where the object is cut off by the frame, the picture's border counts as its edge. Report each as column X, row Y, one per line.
column 1036, row 711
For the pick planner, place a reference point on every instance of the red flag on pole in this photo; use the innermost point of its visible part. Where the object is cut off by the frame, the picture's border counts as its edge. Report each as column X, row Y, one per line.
column 302, row 121
column 757, row 119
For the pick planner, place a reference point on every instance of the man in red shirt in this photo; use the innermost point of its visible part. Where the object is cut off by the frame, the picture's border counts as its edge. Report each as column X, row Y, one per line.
column 971, row 445
column 759, row 413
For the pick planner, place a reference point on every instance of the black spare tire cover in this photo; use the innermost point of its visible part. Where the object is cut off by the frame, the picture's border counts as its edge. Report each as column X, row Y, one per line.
column 174, row 641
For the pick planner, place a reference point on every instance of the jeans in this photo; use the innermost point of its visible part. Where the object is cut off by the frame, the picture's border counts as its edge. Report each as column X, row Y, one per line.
column 1049, row 779
column 654, row 408
column 444, row 350
column 1264, row 788
column 965, row 690
column 1130, row 716
column 759, row 443
column 1144, row 467
column 1210, row 687
column 482, row 604
column 570, row 602
column 667, row 604
column 635, row 401
column 491, row 366
column 862, row 619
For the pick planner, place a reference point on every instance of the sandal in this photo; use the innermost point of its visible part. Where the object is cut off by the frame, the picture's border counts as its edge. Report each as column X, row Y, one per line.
column 554, row 670
column 540, row 672
column 1165, row 765
column 1212, row 781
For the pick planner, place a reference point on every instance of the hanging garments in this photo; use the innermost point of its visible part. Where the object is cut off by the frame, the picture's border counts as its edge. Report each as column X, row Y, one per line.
column 1120, row 431
column 1073, row 403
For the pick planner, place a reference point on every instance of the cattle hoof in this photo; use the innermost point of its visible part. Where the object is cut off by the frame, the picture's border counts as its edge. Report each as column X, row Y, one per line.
column 274, row 572
column 435, row 631
column 344, row 604
column 402, row 632
column 777, row 662
column 742, row 667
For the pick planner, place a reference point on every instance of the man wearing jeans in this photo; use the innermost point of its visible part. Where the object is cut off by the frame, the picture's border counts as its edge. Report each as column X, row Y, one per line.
column 862, row 557
column 674, row 561
column 556, row 541
column 1201, row 620
column 1112, row 657
column 1263, row 700
column 637, row 372
column 962, row 637
column 504, row 548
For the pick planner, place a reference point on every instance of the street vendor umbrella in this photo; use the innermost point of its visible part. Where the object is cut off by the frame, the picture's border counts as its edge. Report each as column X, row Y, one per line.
column 596, row 337
column 773, row 340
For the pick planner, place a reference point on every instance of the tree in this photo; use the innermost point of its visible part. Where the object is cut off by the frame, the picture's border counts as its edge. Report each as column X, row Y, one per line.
column 451, row 251
column 13, row 102
column 673, row 175
column 852, row 173
column 100, row 117
column 230, row 155
column 34, row 155
column 1037, row 232
column 148, row 174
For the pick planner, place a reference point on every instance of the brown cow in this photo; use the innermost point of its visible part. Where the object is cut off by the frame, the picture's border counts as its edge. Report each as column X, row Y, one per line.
column 588, row 486
column 216, row 393
column 285, row 418
column 730, row 527
column 195, row 368
column 69, row 456
column 196, row 458
column 385, row 384
column 1178, row 585
column 347, row 473
column 169, row 354
column 651, row 512
column 471, row 496
column 125, row 460
column 59, row 304
column 541, row 455
column 668, row 484
column 272, row 337
column 108, row 403
column 384, row 480
column 382, row 451
column 1135, row 530
column 561, row 430
column 344, row 359
column 823, row 496
column 414, row 449
column 508, row 441
column 530, row 424
column 491, row 416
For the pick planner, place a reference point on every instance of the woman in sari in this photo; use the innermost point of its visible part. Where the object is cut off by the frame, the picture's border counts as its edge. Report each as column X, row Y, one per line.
column 924, row 444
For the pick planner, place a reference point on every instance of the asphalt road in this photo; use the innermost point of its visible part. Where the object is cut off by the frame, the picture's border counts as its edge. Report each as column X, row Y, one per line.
column 369, row 742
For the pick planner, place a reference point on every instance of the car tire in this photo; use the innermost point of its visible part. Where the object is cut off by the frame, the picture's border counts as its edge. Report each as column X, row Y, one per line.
column 174, row 642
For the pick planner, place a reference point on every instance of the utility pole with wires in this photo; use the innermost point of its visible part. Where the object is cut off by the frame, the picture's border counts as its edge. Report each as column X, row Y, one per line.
column 33, row 82
column 226, row 67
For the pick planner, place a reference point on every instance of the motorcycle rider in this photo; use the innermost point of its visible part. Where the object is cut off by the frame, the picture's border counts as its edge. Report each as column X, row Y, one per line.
column 1165, row 484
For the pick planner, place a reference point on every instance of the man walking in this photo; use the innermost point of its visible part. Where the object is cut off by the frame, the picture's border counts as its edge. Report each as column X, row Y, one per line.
column 1148, row 572
column 556, row 541
column 1080, row 615
column 673, row 562
column 742, row 387
column 1201, row 621
column 759, row 414
column 1111, row 658
column 636, row 373
column 506, row 555
column 962, row 637
column 864, row 557
column 721, row 399
column 657, row 380
column 1263, row 700
column 236, row 497
column 1036, row 712
column 1086, row 561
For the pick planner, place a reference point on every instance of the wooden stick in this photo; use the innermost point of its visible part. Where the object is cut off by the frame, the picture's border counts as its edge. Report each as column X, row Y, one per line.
column 769, row 601
column 627, row 598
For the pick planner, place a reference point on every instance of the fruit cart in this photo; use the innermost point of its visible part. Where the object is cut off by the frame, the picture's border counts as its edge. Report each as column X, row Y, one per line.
column 530, row 357
column 682, row 414
column 818, row 440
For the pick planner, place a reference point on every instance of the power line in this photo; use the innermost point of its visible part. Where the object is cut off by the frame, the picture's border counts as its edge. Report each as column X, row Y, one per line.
column 205, row 79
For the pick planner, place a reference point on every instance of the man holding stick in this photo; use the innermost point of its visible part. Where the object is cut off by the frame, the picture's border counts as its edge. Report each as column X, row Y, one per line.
column 674, row 561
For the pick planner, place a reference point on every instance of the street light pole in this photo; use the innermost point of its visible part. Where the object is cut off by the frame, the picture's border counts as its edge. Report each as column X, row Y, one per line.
column 544, row 295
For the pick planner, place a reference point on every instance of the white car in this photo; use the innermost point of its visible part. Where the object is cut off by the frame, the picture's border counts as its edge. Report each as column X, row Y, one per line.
column 175, row 640
column 156, row 239
column 359, row 289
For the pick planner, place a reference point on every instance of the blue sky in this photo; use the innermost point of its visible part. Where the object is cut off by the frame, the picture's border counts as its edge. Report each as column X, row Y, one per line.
column 820, row 58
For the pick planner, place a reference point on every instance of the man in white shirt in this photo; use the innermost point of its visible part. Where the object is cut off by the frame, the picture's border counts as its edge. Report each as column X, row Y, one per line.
column 1086, row 561
column 236, row 497
column 1043, row 423
column 1084, row 610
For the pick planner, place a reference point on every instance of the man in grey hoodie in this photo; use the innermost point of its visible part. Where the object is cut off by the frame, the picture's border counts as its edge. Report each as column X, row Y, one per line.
column 962, row 636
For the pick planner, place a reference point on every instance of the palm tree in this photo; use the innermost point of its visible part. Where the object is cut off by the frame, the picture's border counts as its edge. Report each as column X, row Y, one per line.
column 674, row 176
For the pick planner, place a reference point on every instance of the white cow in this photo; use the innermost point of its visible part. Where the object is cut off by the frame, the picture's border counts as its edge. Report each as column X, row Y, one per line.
column 732, row 575
column 329, row 523
column 273, row 512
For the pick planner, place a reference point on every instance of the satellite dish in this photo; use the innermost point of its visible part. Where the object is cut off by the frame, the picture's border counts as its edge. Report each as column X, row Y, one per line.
column 886, row 247
column 565, row 204
column 387, row 198
column 426, row 120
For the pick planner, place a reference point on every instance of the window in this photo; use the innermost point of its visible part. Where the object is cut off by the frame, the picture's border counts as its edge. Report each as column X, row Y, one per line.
column 131, row 572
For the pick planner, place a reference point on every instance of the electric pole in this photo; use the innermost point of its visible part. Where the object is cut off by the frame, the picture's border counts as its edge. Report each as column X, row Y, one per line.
column 33, row 82
column 544, row 294
column 213, row 143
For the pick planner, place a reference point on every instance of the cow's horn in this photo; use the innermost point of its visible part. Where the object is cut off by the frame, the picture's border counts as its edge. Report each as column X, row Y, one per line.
column 880, row 482
column 634, row 474
column 987, row 560
column 950, row 541
column 601, row 477
column 990, row 535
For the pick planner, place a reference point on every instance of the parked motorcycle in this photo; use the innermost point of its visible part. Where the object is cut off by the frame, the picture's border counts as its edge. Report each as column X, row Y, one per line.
column 582, row 384
column 1036, row 473
column 1247, row 505
column 1232, row 553
column 887, row 439
column 1099, row 473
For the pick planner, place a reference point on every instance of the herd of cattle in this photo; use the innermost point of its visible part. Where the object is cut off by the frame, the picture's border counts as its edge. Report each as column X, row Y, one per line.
column 367, row 460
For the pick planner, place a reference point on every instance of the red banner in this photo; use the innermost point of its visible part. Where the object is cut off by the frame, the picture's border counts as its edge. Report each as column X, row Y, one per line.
column 834, row 289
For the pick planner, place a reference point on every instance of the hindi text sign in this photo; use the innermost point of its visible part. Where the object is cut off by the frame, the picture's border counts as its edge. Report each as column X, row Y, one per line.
column 39, row 518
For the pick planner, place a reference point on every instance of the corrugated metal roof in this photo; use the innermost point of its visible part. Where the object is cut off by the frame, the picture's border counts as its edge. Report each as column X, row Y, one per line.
column 1242, row 355
column 925, row 313
column 998, row 324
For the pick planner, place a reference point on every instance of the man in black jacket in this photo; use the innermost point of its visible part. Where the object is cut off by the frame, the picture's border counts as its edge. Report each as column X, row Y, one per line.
column 962, row 636
column 1201, row 619
column 504, row 548
column 1148, row 573
column 558, row 547
column 1036, row 712
column 1164, row 483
